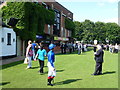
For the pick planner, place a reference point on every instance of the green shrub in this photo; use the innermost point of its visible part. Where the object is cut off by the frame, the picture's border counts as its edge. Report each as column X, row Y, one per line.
column 70, row 26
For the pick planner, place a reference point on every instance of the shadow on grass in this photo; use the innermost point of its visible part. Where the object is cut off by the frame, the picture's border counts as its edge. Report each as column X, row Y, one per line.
column 12, row 64
column 35, row 67
column 4, row 83
column 109, row 72
column 65, row 54
column 59, row 70
column 67, row 81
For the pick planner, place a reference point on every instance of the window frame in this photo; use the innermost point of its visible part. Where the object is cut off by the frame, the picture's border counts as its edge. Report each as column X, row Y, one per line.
column 9, row 39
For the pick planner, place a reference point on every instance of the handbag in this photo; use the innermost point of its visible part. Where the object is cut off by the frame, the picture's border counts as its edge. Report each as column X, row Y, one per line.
column 26, row 60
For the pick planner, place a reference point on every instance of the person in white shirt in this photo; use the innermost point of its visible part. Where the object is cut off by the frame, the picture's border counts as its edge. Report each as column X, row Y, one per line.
column 116, row 48
column 29, row 54
column 79, row 48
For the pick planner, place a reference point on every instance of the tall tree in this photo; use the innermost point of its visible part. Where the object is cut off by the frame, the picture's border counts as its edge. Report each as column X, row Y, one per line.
column 88, row 28
column 113, row 32
column 78, row 30
column 89, row 31
column 100, row 32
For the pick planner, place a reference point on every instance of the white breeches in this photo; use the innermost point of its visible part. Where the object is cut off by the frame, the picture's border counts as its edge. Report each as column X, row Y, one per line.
column 51, row 71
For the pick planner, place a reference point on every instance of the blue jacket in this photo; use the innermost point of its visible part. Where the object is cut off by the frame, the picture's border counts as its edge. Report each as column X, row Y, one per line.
column 33, row 46
column 51, row 57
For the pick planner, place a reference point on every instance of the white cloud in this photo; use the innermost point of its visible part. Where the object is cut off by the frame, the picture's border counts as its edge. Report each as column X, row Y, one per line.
column 113, row 20
column 112, row 1
column 101, row 4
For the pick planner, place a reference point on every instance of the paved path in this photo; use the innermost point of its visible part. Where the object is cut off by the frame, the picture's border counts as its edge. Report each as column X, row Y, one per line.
column 10, row 60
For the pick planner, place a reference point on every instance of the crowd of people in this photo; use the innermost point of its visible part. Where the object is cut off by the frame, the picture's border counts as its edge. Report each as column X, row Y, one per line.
column 72, row 47
column 113, row 48
column 36, row 51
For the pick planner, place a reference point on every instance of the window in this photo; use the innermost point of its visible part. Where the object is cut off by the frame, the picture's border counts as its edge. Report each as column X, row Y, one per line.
column 1, row 2
column 49, row 7
column 44, row 5
column 13, row 40
column 61, row 31
column 54, row 24
column 65, row 32
column 48, row 29
column 58, row 15
column 68, row 33
column 58, row 20
column 58, row 26
column 8, row 38
column 2, row 39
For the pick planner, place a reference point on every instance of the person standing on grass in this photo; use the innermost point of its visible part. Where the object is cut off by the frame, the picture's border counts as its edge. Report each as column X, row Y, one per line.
column 64, row 47
column 110, row 48
column 41, row 53
column 29, row 54
column 79, row 48
column 70, row 47
column 61, row 46
column 99, row 60
column 95, row 48
column 82, row 47
column 50, row 64
column 73, row 47
column 116, row 48
column 85, row 47
column 33, row 49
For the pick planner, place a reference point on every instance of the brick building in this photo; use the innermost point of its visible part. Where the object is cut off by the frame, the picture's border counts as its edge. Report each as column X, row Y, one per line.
column 57, row 32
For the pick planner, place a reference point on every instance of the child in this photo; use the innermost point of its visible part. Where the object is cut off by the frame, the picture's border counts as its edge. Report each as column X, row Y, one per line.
column 50, row 64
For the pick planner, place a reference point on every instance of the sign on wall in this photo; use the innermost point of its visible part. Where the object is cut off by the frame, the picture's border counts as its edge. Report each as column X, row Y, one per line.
column 60, row 38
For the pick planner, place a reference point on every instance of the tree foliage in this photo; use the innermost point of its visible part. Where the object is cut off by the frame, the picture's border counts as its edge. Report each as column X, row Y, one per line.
column 70, row 26
column 89, row 31
column 100, row 32
column 78, row 30
column 33, row 17
column 113, row 32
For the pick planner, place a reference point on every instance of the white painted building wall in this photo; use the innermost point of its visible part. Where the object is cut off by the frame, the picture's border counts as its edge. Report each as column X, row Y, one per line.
column 5, row 49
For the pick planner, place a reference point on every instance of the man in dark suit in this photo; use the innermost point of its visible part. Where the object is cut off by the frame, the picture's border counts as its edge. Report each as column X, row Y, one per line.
column 61, row 46
column 99, row 60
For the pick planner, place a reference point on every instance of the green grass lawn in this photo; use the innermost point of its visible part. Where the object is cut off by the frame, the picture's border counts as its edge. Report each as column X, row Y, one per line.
column 73, row 71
